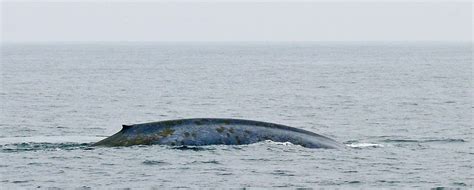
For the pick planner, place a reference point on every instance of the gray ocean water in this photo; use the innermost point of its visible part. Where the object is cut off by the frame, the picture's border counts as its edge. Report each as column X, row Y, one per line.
column 403, row 109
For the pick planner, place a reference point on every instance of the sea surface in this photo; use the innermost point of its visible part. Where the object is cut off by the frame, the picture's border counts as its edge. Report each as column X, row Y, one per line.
column 404, row 110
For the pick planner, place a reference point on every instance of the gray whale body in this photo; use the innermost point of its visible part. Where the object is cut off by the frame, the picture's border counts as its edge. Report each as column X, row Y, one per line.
column 213, row 131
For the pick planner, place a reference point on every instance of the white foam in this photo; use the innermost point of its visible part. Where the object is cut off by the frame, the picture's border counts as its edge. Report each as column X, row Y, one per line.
column 279, row 143
column 363, row 145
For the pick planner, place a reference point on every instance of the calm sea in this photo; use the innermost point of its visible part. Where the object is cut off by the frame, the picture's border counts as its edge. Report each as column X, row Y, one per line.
column 404, row 109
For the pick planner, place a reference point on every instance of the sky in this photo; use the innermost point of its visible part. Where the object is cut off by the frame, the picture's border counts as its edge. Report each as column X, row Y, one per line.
column 122, row 21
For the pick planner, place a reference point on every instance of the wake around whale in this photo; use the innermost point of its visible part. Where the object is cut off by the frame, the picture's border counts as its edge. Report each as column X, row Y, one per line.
column 214, row 131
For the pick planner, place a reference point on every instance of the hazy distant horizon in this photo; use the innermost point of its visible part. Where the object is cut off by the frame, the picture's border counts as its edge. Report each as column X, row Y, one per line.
column 235, row 42
column 236, row 22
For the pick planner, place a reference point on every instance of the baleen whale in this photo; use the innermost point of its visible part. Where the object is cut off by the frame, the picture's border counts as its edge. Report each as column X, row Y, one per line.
column 214, row 131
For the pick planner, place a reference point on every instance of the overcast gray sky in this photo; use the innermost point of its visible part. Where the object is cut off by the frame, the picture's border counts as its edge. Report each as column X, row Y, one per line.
column 236, row 21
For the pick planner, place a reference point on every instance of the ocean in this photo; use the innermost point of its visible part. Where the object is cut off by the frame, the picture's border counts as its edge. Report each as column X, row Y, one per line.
column 404, row 110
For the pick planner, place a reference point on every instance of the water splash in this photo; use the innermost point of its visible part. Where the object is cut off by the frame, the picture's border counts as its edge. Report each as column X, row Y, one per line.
column 46, row 143
column 22, row 147
column 365, row 145
column 50, row 139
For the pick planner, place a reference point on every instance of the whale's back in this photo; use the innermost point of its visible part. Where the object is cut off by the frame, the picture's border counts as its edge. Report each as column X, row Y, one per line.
column 209, row 131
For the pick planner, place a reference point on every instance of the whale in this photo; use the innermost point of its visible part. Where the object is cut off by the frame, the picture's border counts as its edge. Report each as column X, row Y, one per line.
column 214, row 131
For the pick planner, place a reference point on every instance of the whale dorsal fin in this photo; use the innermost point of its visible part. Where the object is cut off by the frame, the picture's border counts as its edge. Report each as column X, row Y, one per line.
column 126, row 126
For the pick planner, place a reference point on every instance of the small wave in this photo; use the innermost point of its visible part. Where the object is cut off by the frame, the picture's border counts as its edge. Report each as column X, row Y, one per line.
column 206, row 162
column 353, row 182
column 20, row 181
column 211, row 162
column 282, row 173
column 155, row 162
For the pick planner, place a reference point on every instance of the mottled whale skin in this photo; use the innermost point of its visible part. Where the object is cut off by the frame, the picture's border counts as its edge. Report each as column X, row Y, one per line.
column 213, row 131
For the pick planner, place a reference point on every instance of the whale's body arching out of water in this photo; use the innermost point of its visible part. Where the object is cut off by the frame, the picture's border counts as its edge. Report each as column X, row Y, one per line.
column 213, row 131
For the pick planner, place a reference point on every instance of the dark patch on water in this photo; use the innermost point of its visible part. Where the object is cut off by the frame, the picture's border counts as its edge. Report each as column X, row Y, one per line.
column 20, row 181
column 353, row 182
